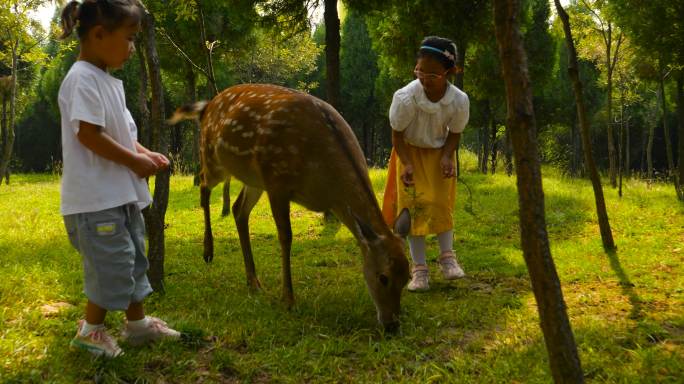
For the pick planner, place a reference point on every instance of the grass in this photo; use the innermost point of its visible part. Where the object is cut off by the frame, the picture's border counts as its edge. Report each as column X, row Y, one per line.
column 625, row 308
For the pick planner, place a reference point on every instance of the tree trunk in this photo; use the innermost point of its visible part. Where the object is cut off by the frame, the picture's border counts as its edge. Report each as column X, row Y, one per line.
column 155, row 213
column 560, row 344
column 573, row 70
column 494, row 146
column 484, row 133
column 458, row 82
column 211, row 78
column 191, row 97
column 680, row 151
column 666, row 133
column 3, row 126
column 9, row 136
column 621, row 129
column 144, row 124
column 628, row 146
column 651, row 136
column 332, row 53
column 609, row 125
column 575, row 162
column 508, row 153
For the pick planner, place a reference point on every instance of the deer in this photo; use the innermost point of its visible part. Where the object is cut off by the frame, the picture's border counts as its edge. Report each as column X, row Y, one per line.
column 296, row 148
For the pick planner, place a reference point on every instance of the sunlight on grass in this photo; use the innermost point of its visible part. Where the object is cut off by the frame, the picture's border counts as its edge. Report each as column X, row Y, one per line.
column 625, row 308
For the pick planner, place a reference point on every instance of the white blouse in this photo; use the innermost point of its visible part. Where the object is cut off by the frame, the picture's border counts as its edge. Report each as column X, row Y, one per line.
column 426, row 124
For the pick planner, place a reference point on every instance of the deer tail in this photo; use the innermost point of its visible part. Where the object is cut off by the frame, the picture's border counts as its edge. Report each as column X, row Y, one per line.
column 188, row 112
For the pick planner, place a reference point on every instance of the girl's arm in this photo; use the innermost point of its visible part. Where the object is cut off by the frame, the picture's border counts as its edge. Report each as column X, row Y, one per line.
column 402, row 151
column 447, row 160
column 92, row 137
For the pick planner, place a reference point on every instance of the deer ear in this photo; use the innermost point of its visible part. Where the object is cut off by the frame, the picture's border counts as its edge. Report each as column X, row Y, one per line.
column 364, row 229
column 402, row 224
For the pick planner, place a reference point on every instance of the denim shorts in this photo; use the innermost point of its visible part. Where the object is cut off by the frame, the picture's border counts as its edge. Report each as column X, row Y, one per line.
column 112, row 246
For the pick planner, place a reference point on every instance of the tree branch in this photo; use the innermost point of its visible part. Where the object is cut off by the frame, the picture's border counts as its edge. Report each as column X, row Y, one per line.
column 180, row 50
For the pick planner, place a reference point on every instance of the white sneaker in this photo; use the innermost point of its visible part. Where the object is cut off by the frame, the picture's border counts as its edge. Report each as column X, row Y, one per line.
column 156, row 329
column 420, row 277
column 449, row 266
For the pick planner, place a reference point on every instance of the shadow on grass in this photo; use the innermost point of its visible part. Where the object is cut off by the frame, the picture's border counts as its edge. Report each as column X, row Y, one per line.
column 626, row 285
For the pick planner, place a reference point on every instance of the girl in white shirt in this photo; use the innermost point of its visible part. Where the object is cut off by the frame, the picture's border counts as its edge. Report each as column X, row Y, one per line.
column 427, row 117
column 103, row 187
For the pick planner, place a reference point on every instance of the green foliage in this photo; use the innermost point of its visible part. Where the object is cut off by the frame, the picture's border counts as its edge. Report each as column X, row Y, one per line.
column 625, row 308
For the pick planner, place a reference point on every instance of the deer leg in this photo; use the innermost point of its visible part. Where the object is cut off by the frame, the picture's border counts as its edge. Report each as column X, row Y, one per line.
column 226, row 197
column 280, row 207
column 205, row 195
column 241, row 209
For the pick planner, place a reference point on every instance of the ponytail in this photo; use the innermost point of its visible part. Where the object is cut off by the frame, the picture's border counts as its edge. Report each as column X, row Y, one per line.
column 69, row 18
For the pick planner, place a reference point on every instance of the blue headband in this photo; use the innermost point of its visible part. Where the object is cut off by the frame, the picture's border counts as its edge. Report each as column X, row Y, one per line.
column 445, row 52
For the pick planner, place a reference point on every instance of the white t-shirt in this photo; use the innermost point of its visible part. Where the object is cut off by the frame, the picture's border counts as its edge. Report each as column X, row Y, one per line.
column 426, row 124
column 90, row 182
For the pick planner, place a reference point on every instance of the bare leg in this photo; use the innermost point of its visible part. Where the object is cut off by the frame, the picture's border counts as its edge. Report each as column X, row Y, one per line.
column 135, row 312
column 94, row 314
column 241, row 209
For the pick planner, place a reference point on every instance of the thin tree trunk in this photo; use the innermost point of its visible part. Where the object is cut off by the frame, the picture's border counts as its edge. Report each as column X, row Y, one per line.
column 508, row 153
column 144, row 123
column 211, row 78
column 680, row 151
column 628, row 146
column 574, row 167
column 621, row 129
column 573, row 70
column 609, row 125
column 666, row 130
column 3, row 126
column 652, row 122
column 9, row 137
column 155, row 213
column 494, row 149
column 191, row 97
column 458, row 82
column 484, row 133
column 560, row 343
column 332, row 53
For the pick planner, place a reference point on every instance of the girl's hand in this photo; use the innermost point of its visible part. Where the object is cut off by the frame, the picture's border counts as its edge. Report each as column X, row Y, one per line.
column 407, row 175
column 448, row 167
column 159, row 160
column 143, row 165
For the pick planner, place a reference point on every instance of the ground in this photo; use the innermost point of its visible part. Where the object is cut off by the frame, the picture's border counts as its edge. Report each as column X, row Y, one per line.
column 625, row 308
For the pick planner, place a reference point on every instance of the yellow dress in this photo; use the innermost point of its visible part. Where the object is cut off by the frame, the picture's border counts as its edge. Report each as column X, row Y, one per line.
column 430, row 200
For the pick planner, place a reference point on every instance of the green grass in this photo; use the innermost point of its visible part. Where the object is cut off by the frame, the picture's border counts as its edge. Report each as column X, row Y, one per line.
column 626, row 309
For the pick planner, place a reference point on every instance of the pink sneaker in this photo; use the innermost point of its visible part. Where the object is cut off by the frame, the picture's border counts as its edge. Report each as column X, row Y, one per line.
column 420, row 277
column 449, row 266
column 98, row 342
column 156, row 329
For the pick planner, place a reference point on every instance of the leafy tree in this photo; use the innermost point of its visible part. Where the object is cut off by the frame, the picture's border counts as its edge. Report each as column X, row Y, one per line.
column 655, row 27
column 19, row 38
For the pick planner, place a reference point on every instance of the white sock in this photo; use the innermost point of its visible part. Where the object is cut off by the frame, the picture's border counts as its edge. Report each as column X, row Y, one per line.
column 417, row 246
column 138, row 325
column 446, row 241
column 87, row 328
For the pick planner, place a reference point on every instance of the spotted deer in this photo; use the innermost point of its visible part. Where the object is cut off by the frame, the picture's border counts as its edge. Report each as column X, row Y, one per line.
column 297, row 148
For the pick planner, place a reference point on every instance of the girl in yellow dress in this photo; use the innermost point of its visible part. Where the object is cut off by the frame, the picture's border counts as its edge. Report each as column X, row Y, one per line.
column 427, row 117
